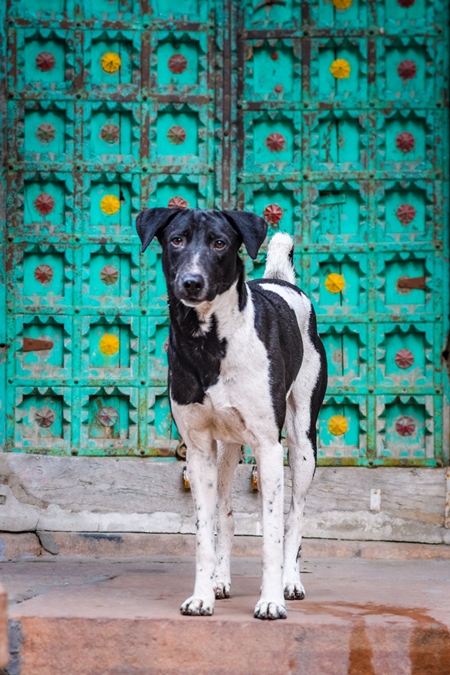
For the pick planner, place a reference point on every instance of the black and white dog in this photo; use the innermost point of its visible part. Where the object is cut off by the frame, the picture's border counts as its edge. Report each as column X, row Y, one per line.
column 245, row 360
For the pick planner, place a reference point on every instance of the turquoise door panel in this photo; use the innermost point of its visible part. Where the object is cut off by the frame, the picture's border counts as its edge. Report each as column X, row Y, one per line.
column 40, row 66
column 178, row 65
column 327, row 118
column 177, row 134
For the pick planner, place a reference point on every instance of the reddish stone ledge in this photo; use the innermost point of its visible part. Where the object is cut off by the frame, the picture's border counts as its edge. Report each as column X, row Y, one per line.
column 113, row 616
column 324, row 645
column 4, row 647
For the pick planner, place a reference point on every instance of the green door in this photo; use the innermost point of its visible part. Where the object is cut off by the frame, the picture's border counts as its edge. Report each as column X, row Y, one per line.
column 327, row 117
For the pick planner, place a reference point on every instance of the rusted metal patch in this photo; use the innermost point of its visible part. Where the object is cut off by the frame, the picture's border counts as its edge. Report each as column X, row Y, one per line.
column 35, row 345
column 408, row 283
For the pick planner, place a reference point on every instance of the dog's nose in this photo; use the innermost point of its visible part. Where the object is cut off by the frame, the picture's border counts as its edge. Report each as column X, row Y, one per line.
column 193, row 283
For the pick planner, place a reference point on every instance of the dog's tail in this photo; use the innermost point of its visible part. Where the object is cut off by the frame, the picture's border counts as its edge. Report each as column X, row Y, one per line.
column 280, row 258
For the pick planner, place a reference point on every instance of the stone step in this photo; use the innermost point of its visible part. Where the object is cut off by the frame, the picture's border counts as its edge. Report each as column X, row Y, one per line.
column 121, row 544
column 115, row 616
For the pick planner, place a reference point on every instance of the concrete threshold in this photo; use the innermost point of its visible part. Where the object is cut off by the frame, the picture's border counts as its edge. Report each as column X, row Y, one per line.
column 15, row 546
column 79, row 615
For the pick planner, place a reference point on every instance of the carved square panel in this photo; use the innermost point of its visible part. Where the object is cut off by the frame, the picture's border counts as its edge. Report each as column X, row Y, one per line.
column 112, row 64
column 339, row 142
column 45, row 61
column 47, row 205
column 272, row 142
column 43, row 276
column 273, row 70
column 111, row 208
column 339, row 69
column 338, row 283
column 279, row 203
column 110, row 347
column 406, row 283
column 177, row 134
column 405, row 354
column 346, row 349
column 109, row 420
column 180, row 136
column 339, row 213
column 405, row 141
column 42, row 61
column 405, row 211
column 35, row 332
column 179, row 63
column 342, row 428
column 409, row 69
column 110, row 276
column 112, row 132
column 43, row 418
column 405, row 427
column 48, row 132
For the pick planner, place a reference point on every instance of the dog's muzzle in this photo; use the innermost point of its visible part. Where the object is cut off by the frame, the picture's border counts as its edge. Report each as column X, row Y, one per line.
column 191, row 287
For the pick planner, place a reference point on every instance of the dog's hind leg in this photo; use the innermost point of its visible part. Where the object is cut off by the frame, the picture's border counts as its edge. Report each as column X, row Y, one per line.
column 302, row 463
column 303, row 407
column 228, row 455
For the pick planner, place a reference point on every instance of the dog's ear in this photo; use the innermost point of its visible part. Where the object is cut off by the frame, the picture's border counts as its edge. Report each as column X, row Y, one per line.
column 252, row 228
column 150, row 221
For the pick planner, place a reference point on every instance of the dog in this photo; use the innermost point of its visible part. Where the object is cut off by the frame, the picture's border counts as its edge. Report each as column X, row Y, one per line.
column 245, row 360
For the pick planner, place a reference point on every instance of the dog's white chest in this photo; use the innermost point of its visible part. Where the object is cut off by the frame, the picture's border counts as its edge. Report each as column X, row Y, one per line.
column 239, row 405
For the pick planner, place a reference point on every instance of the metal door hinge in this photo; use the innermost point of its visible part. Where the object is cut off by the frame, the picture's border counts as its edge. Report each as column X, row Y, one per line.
column 186, row 483
column 35, row 345
column 447, row 500
column 412, row 282
column 254, row 478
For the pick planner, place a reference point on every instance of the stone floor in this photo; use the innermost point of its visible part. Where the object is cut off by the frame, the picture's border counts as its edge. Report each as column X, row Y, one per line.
column 79, row 615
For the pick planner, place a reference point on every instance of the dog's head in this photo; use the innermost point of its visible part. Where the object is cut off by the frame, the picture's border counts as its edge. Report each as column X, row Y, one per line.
column 200, row 247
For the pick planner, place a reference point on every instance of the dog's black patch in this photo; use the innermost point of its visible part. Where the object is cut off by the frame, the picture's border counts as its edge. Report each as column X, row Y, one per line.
column 277, row 327
column 195, row 351
column 194, row 359
column 321, row 385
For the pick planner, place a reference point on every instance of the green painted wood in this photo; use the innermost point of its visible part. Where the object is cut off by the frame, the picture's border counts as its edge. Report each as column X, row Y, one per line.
column 115, row 105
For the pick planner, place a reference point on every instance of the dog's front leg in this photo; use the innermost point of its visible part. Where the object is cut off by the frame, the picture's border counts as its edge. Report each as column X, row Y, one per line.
column 227, row 460
column 201, row 460
column 271, row 604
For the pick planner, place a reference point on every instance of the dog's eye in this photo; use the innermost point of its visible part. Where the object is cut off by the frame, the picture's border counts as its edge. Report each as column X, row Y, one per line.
column 219, row 243
column 177, row 241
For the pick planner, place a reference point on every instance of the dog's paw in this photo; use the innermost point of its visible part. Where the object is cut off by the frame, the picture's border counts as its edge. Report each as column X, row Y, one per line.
column 222, row 589
column 197, row 607
column 294, row 591
column 270, row 610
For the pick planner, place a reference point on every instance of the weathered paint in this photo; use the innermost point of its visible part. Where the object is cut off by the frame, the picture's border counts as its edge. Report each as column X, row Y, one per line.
column 328, row 118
